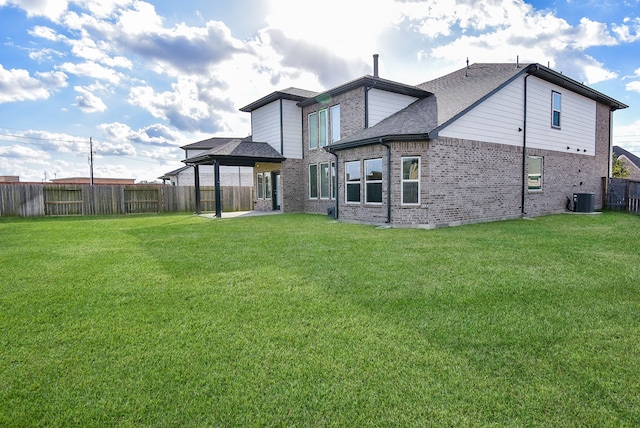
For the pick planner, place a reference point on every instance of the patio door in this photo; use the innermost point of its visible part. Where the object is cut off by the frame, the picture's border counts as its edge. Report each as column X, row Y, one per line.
column 277, row 191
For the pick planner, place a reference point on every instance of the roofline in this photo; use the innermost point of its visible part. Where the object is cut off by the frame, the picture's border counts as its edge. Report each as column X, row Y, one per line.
column 377, row 140
column 561, row 80
column 371, row 82
column 274, row 96
column 230, row 160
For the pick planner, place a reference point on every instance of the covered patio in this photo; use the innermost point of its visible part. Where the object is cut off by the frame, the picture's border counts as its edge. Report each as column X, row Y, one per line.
column 233, row 152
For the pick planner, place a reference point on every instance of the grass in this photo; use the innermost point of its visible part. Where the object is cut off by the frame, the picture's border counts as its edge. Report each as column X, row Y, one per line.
column 296, row 320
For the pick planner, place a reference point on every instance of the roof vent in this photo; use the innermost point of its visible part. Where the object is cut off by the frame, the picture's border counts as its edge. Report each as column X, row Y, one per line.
column 375, row 65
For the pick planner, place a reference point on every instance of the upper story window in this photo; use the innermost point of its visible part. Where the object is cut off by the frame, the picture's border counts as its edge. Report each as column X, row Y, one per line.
column 313, row 130
column 324, row 127
column 335, row 123
column 556, row 108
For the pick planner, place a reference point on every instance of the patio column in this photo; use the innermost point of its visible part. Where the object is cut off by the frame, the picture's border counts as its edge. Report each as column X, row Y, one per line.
column 216, row 168
column 196, row 182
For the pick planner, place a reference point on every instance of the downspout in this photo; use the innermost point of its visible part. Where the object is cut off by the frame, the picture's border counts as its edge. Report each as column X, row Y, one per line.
column 336, row 184
column 388, row 180
column 524, row 145
column 281, row 130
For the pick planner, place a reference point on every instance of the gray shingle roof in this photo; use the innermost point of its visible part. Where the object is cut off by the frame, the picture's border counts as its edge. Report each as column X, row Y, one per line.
column 453, row 94
column 236, row 152
column 294, row 94
column 619, row 151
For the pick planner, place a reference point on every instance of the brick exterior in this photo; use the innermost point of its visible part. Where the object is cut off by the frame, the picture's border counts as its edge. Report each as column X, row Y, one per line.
column 352, row 112
column 465, row 181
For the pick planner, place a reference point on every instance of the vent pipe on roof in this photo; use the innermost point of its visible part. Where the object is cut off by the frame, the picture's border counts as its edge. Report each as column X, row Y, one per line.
column 375, row 65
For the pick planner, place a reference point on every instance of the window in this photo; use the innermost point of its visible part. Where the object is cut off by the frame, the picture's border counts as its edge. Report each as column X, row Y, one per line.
column 334, row 182
column 260, row 186
column 352, row 181
column 324, row 127
column 267, row 185
column 410, row 181
column 556, row 109
column 373, row 181
column 324, row 181
column 335, row 123
column 535, row 173
column 313, row 181
column 313, row 130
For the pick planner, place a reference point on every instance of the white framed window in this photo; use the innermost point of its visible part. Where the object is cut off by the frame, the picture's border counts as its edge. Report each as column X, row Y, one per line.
column 324, row 181
column 267, row 185
column 260, row 186
column 352, row 181
column 335, row 123
column 373, row 181
column 411, row 180
column 313, row 181
column 323, row 131
column 535, row 173
column 313, row 130
column 556, row 109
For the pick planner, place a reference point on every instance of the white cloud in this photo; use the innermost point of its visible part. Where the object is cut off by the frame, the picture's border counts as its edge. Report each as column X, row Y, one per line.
column 633, row 86
column 629, row 31
column 22, row 152
column 92, row 70
column 52, row 9
column 89, row 102
column 18, row 85
column 155, row 135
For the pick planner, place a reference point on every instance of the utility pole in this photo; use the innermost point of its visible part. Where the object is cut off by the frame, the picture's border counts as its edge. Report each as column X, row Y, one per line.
column 91, row 161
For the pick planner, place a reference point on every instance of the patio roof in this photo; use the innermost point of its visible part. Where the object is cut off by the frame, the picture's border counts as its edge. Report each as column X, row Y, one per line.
column 236, row 152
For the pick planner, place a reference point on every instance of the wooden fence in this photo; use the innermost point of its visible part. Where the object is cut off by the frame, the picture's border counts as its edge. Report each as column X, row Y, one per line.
column 623, row 195
column 32, row 200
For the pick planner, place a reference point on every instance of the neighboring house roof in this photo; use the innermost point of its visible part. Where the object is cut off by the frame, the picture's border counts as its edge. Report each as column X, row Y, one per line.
column 293, row 94
column 455, row 94
column 175, row 172
column 619, row 151
column 235, row 152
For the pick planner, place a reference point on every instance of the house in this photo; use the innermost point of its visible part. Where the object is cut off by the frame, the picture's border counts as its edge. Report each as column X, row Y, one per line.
column 484, row 143
column 631, row 161
column 229, row 175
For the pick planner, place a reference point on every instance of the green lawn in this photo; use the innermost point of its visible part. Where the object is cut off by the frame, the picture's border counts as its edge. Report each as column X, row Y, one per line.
column 297, row 320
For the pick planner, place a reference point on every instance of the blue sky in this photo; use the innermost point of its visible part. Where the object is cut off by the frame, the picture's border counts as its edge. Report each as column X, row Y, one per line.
column 142, row 78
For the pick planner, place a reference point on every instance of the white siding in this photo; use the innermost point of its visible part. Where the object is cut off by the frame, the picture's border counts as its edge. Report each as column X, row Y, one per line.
column 578, row 120
column 292, row 129
column 265, row 124
column 497, row 119
column 383, row 104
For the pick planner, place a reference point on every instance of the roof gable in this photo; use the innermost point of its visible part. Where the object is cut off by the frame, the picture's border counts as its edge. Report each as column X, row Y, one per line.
column 619, row 151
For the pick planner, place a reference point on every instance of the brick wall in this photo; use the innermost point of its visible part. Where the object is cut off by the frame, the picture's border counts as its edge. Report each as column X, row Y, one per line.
column 464, row 181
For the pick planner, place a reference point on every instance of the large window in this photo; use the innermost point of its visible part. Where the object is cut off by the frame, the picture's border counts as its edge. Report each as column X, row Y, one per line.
column 411, row 181
column 313, row 181
column 373, row 181
column 556, row 109
column 535, row 173
column 313, row 130
column 335, row 123
column 260, row 186
column 267, row 185
column 352, row 181
column 323, row 127
column 324, row 181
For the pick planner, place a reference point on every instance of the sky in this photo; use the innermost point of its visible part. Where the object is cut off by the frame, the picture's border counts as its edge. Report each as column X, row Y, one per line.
column 136, row 80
